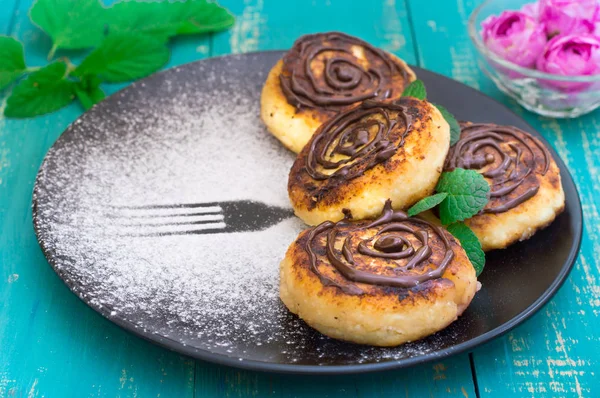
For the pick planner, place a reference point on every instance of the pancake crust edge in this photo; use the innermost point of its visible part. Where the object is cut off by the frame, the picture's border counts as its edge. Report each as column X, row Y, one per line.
column 497, row 229
column 406, row 177
column 375, row 314
column 293, row 125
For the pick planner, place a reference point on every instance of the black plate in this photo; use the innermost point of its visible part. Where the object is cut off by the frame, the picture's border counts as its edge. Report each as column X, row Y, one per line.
column 192, row 134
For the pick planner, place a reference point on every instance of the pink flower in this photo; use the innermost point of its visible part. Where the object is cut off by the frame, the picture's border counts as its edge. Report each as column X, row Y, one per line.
column 571, row 55
column 514, row 36
column 532, row 10
column 597, row 25
column 568, row 16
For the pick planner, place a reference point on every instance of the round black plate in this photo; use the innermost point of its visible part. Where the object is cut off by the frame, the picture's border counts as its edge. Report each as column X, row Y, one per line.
column 192, row 136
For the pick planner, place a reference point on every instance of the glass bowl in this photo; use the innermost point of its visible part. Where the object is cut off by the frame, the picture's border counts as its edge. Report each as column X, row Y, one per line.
column 536, row 91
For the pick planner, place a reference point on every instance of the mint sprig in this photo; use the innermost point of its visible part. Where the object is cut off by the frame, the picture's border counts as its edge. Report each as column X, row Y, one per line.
column 70, row 24
column 471, row 245
column 427, row 203
column 460, row 195
column 42, row 92
column 88, row 92
column 468, row 193
column 416, row 90
column 163, row 19
column 124, row 56
column 128, row 42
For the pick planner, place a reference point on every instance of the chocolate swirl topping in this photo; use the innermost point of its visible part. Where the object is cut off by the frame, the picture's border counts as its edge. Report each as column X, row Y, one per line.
column 334, row 70
column 508, row 157
column 357, row 140
column 393, row 250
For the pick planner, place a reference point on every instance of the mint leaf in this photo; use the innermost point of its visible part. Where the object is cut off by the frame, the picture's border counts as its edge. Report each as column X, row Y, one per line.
column 43, row 91
column 202, row 17
column 122, row 57
column 416, row 90
column 72, row 24
column 12, row 60
column 469, row 242
column 164, row 19
column 468, row 193
column 427, row 203
column 89, row 97
column 88, row 92
column 454, row 126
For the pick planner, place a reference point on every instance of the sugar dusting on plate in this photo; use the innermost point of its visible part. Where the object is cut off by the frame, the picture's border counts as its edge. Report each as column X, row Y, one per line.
column 168, row 141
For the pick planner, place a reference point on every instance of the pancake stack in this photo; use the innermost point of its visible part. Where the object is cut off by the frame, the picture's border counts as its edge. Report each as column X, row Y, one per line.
column 367, row 272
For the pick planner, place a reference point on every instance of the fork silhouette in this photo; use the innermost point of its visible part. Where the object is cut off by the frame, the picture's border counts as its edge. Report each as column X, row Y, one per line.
column 197, row 218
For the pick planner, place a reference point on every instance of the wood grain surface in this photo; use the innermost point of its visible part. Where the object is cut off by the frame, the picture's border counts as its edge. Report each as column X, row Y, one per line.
column 53, row 345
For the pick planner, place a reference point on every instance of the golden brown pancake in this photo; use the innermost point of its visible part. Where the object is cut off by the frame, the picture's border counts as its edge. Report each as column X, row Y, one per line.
column 376, row 151
column 322, row 75
column 526, row 191
column 381, row 282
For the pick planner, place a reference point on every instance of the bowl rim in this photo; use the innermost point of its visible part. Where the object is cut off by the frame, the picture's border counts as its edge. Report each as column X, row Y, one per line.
column 527, row 72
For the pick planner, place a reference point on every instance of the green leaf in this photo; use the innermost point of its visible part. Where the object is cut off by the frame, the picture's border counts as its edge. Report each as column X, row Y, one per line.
column 89, row 93
column 416, row 90
column 427, row 203
column 468, row 193
column 42, row 92
column 454, row 126
column 89, row 97
column 470, row 243
column 124, row 56
column 12, row 60
column 72, row 24
column 165, row 19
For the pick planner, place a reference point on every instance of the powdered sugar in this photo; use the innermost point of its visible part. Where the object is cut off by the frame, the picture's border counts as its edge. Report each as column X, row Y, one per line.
column 190, row 135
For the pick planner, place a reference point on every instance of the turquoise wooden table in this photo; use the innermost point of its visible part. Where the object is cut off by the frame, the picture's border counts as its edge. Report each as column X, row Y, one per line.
column 53, row 345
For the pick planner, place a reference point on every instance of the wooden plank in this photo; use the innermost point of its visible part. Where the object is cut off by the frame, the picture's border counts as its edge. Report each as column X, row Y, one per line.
column 275, row 25
column 450, row 378
column 53, row 345
column 557, row 352
column 7, row 15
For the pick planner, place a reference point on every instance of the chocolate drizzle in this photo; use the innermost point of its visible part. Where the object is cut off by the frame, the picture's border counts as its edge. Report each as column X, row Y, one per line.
column 508, row 157
column 326, row 71
column 357, row 140
column 401, row 248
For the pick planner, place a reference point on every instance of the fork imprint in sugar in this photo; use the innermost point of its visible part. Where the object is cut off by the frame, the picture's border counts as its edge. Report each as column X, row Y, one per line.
column 197, row 218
